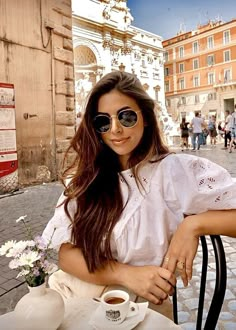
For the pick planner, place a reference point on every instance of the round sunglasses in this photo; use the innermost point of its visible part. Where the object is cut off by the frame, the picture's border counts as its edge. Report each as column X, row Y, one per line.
column 127, row 118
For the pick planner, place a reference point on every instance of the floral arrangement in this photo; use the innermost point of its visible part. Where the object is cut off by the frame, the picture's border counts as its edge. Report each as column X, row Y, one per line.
column 30, row 257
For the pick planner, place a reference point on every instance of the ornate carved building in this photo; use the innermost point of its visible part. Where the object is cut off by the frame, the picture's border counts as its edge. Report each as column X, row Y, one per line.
column 104, row 40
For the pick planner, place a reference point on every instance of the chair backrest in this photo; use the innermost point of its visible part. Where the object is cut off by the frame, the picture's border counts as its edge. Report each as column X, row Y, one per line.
column 220, row 285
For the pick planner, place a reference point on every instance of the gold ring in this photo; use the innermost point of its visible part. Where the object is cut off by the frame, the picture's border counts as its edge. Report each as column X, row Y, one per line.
column 180, row 265
column 166, row 259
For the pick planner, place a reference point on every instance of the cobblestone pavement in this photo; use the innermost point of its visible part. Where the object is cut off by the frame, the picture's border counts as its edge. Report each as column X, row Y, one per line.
column 38, row 203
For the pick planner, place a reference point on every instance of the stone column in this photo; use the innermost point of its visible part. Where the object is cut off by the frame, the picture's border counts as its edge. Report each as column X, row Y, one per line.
column 107, row 43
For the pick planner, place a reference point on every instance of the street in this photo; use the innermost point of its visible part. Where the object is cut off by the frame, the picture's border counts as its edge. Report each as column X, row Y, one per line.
column 38, row 203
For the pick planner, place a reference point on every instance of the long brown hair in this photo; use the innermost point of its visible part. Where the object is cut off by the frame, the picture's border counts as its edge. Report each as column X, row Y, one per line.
column 94, row 183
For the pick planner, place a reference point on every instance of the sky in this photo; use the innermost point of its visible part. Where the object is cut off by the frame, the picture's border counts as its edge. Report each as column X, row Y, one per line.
column 167, row 17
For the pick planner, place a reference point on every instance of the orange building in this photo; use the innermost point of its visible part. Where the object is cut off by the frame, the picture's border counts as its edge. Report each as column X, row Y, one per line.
column 200, row 71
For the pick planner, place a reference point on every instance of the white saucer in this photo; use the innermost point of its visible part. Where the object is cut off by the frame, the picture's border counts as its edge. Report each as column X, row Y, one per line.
column 98, row 321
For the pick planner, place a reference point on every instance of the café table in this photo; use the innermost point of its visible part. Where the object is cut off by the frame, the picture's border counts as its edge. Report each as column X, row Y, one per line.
column 78, row 312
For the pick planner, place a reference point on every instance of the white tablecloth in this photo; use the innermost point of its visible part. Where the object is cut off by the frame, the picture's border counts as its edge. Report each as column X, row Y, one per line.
column 79, row 311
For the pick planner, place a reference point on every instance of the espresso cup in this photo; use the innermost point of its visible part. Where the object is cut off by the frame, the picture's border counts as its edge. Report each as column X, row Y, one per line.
column 116, row 306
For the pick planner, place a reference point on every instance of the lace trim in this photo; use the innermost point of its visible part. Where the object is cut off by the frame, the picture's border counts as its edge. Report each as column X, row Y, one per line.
column 209, row 183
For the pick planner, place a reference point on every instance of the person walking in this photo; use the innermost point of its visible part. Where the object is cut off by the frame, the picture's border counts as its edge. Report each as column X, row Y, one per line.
column 227, row 136
column 184, row 134
column 197, row 124
column 120, row 220
column 233, row 129
column 221, row 131
column 212, row 129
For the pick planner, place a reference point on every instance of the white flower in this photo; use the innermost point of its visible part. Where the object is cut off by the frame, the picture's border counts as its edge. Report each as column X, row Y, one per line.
column 28, row 258
column 23, row 273
column 21, row 218
column 19, row 248
column 13, row 264
column 6, row 247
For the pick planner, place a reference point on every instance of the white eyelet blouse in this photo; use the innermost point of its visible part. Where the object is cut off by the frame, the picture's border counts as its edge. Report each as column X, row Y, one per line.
column 179, row 184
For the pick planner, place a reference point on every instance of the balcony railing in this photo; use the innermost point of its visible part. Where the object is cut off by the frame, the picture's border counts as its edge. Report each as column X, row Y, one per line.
column 225, row 83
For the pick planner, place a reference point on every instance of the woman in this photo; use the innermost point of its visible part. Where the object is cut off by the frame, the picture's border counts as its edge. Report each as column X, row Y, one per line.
column 121, row 219
column 212, row 129
column 184, row 134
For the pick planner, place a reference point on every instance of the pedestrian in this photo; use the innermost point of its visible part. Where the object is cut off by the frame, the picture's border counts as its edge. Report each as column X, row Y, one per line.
column 221, row 130
column 212, row 129
column 197, row 124
column 227, row 136
column 233, row 129
column 205, row 134
column 120, row 220
column 184, row 133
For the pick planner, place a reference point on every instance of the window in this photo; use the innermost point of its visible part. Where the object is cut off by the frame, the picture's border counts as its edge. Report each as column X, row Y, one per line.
column 167, row 86
column 211, row 78
column 166, row 71
column 196, row 99
column 181, row 52
column 156, row 94
column 210, row 96
column 168, row 102
column 181, row 83
column 183, row 100
column 227, row 75
column 226, row 37
column 166, row 56
column 195, row 47
column 181, row 67
column 195, row 63
column 227, row 56
column 210, row 60
column 156, row 63
column 143, row 62
column 210, row 42
column 196, row 81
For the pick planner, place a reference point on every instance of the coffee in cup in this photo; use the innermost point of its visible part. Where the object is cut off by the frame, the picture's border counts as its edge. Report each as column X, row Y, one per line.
column 116, row 306
column 114, row 300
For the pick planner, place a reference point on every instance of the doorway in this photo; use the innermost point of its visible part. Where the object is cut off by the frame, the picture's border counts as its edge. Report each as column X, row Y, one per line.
column 229, row 105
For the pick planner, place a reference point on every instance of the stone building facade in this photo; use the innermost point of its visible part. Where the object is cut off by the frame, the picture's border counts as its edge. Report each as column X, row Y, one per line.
column 200, row 71
column 36, row 55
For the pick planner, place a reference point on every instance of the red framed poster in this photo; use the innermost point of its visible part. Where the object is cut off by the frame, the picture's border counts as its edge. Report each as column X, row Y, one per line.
column 8, row 152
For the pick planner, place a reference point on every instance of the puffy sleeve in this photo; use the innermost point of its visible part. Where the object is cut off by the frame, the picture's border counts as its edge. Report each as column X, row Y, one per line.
column 58, row 229
column 195, row 185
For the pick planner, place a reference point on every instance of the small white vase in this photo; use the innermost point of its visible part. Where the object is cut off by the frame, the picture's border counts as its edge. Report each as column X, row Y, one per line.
column 41, row 308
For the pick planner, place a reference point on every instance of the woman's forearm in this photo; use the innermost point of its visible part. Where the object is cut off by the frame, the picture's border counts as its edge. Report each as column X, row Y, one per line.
column 71, row 260
column 150, row 282
column 215, row 222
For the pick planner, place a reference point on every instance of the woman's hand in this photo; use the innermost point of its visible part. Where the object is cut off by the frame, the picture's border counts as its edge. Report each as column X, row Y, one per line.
column 152, row 283
column 181, row 251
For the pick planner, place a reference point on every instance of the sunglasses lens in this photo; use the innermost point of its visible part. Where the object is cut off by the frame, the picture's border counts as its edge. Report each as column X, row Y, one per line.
column 102, row 123
column 128, row 118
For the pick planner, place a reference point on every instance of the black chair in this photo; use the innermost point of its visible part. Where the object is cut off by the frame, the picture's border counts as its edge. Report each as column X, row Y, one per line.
column 220, row 285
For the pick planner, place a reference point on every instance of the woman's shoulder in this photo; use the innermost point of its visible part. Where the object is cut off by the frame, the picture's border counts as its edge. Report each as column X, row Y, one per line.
column 177, row 158
column 168, row 164
column 175, row 163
